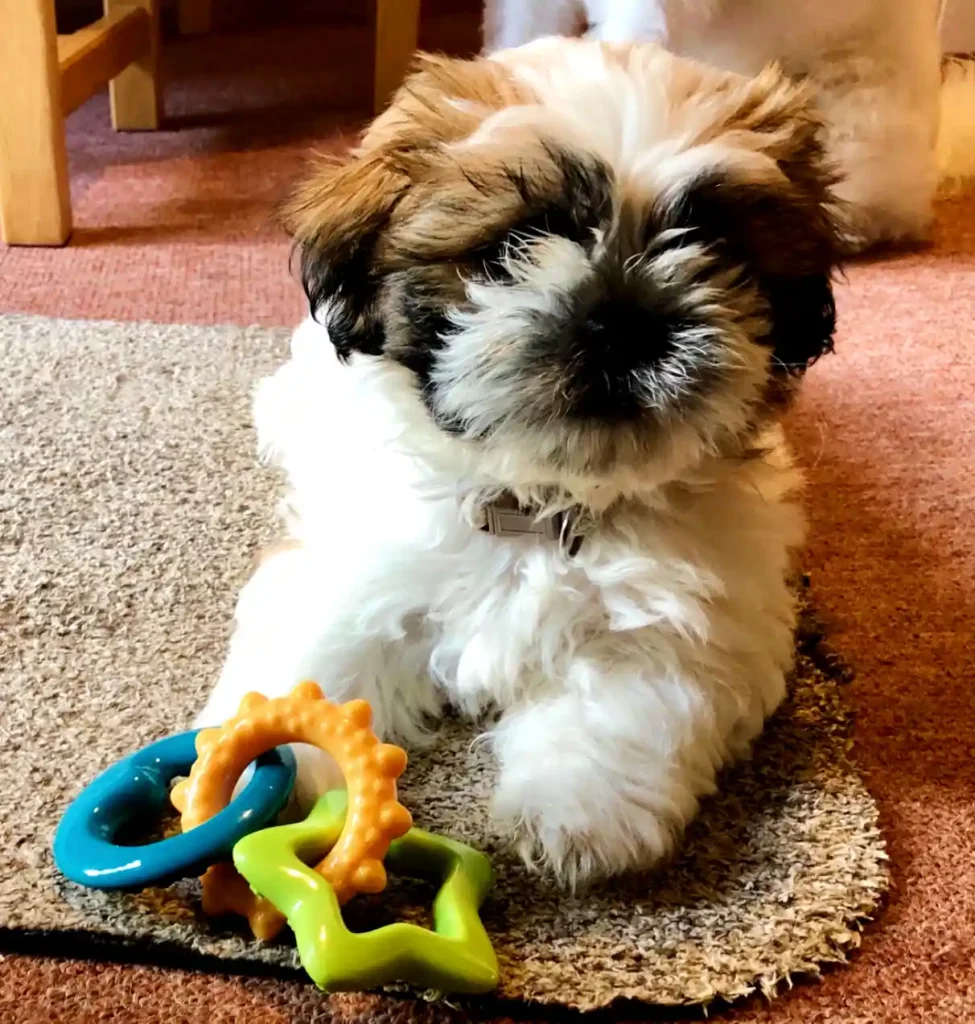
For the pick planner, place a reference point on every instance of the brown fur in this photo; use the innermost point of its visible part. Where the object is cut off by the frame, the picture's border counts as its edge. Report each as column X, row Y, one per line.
column 387, row 183
column 795, row 227
column 442, row 102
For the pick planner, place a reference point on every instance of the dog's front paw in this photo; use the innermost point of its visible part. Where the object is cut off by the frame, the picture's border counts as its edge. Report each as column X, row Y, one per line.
column 577, row 856
column 581, row 833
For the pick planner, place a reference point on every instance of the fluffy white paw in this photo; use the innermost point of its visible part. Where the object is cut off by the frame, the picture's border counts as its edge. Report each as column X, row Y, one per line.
column 580, row 823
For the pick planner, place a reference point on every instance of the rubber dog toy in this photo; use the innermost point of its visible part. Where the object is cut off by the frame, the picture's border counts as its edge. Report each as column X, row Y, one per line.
column 355, row 862
column 455, row 957
column 84, row 844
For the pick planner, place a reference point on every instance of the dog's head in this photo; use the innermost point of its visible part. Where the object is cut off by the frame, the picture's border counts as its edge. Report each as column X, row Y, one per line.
column 589, row 256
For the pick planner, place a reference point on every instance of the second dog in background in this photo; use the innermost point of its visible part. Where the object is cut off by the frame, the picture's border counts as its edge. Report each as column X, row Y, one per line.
column 875, row 66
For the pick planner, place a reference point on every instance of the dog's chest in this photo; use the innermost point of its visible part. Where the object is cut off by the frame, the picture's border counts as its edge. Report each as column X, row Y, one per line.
column 504, row 614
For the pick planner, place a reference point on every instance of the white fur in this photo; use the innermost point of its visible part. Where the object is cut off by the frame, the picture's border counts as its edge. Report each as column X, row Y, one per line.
column 623, row 678
column 875, row 64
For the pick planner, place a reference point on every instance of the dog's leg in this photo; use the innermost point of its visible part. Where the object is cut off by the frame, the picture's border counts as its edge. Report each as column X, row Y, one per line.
column 603, row 776
column 879, row 95
column 623, row 21
column 510, row 23
column 881, row 121
column 295, row 623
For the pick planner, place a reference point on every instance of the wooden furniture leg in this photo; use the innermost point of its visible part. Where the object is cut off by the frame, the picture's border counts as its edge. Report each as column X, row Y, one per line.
column 135, row 93
column 397, row 26
column 195, row 17
column 35, row 199
column 122, row 49
column 43, row 77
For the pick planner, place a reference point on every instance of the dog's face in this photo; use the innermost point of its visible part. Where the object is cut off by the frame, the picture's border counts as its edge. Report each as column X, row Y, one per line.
column 590, row 257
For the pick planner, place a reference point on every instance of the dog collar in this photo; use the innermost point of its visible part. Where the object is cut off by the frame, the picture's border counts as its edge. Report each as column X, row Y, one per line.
column 505, row 516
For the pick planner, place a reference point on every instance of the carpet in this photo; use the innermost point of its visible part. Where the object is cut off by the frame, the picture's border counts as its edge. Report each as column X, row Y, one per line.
column 176, row 226
column 132, row 507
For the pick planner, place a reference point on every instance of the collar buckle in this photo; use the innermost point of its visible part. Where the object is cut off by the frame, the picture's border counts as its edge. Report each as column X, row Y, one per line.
column 504, row 519
column 514, row 522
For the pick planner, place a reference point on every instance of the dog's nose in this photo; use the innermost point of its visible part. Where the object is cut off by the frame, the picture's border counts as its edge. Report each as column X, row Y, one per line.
column 614, row 341
column 620, row 335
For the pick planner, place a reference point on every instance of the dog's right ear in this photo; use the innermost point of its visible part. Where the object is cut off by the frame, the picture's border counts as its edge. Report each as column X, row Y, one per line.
column 337, row 217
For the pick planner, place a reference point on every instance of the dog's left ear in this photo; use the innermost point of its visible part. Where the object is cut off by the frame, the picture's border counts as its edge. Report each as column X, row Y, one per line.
column 760, row 192
column 786, row 239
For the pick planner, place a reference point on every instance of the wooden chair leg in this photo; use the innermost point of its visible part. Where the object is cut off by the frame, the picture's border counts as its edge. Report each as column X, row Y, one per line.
column 195, row 17
column 35, row 198
column 397, row 26
column 135, row 94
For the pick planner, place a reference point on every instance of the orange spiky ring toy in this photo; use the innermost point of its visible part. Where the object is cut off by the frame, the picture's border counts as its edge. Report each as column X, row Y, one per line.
column 375, row 817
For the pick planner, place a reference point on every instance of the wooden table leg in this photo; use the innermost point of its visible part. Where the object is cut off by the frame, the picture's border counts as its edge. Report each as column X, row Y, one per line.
column 397, row 25
column 136, row 93
column 35, row 198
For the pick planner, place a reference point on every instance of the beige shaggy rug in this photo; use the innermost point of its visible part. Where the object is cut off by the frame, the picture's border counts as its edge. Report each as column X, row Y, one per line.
column 131, row 508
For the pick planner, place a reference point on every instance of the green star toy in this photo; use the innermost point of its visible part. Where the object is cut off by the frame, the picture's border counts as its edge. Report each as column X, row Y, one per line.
column 456, row 956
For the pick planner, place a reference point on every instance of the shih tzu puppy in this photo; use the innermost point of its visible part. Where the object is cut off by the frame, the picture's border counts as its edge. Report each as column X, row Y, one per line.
column 560, row 299
column 874, row 67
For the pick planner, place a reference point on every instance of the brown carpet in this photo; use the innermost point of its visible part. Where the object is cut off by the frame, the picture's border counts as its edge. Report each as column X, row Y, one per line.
column 886, row 428
column 133, row 507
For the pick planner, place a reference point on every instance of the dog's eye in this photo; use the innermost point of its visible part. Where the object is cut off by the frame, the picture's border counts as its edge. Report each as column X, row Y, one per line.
column 489, row 257
column 550, row 222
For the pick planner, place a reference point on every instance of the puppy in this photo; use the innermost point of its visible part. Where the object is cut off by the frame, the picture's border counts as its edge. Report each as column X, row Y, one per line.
column 874, row 66
column 560, row 300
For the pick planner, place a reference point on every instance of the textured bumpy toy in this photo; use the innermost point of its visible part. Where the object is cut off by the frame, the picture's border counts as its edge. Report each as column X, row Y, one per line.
column 347, row 836
column 355, row 863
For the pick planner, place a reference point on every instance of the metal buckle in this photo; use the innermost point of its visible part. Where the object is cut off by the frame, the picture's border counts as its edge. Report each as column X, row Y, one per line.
column 509, row 522
column 501, row 521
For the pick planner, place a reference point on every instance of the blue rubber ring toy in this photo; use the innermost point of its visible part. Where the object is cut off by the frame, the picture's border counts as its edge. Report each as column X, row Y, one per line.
column 84, row 847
